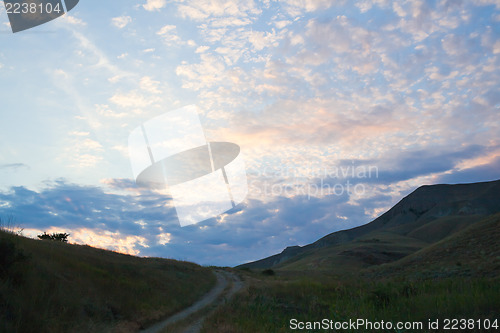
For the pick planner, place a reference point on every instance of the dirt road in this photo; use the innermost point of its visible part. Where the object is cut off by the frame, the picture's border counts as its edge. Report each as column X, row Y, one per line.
column 210, row 300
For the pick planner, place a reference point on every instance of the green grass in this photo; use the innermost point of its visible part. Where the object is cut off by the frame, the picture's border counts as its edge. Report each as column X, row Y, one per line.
column 355, row 255
column 48, row 286
column 473, row 251
column 454, row 278
column 270, row 303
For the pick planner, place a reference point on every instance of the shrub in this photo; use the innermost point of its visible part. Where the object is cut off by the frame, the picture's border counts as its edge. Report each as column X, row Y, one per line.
column 268, row 272
column 60, row 237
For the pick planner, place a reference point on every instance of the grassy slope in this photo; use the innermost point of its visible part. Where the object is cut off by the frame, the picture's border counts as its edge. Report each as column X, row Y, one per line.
column 379, row 246
column 372, row 249
column 57, row 287
column 457, row 277
column 474, row 251
column 269, row 303
column 427, row 215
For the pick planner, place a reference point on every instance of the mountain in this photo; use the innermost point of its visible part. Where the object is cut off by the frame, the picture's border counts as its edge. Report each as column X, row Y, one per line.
column 414, row 228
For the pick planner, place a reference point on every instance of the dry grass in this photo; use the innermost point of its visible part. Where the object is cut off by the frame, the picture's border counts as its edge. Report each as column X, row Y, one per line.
column 56, row 287
column 270, row 303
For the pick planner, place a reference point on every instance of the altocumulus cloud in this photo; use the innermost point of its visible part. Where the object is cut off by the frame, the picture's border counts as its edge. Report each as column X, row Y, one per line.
column 409, row 87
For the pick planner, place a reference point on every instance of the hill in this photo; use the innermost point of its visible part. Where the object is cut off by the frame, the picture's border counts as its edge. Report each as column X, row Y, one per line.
column 434, row 256
column 472, row 252
column 425, row 217
column 49, row 286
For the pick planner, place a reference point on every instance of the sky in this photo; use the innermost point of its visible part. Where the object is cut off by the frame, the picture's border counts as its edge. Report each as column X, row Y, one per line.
column 340, row 109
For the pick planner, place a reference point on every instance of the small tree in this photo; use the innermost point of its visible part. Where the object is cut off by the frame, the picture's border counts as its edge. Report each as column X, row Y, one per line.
column 60, row 237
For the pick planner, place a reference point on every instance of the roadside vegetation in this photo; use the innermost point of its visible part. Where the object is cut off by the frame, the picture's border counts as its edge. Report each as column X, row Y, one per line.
column 270, row 302
column 53, row 286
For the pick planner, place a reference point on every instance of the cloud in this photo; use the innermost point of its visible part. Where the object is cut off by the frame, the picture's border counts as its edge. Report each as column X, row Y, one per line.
column 144, row 223
column 207, row 73
column 82, row 152
column 105, row 111
column 121, row 21
column 201, row 49
column 202, row 9
column 487, row 3
column 297, row 7
column 74, row 206
column 152, row 5
column 13, row 166
column 164, row 238
column 132, row 99
column 480, row 173
column 148, row 84
column 95, row 57
column 339, row 37
column 114, row 241
column 169, row 34
column 439, row 161
column 72, row 20
column 260, row 39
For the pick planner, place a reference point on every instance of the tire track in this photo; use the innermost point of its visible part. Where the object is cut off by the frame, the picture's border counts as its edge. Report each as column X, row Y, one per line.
column 224, row 280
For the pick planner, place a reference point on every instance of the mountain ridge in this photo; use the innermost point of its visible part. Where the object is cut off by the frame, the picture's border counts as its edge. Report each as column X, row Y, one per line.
column 425, row 216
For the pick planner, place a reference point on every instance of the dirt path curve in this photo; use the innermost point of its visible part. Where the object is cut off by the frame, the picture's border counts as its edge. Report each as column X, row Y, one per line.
column 237, row 284
column 224, row 280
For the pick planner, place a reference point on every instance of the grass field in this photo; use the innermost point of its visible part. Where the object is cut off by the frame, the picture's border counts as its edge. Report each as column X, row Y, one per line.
column 270, row 302
column 48, row 286
column 454, row 278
